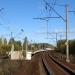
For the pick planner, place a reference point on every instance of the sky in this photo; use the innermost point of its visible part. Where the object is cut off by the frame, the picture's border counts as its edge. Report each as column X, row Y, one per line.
column 18, row 14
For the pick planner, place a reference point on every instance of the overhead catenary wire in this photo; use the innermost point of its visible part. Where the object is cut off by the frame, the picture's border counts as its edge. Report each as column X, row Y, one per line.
column 47, row 4
column 46, row 19
column 50, row 9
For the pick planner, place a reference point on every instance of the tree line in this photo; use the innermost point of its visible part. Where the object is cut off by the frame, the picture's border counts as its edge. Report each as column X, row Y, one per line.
column 61, row 46
column 5, row 46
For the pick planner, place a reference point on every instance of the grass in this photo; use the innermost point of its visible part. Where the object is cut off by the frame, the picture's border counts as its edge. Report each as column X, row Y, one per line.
column 8, row 66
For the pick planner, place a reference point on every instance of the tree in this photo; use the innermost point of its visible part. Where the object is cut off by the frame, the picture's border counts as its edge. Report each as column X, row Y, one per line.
column 11, row 41
column 0, row 42
column 72, row 46
column 25, row 46
column 62, row 47
column 3, row 45
column 25, row 43
column 17, row 44
column 4, row 41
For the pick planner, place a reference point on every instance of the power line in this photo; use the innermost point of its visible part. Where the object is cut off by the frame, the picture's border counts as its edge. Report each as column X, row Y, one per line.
column 66, row 21
column 46, row 19
column 53, row 10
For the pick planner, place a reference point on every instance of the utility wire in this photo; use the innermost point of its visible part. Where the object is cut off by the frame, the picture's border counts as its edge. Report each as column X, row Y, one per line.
column 47, row 4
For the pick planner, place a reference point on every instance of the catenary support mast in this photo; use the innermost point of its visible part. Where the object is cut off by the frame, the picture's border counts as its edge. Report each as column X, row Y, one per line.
column 67, row 45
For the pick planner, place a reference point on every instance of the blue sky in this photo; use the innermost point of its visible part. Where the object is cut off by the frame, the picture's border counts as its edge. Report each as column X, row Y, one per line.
column 18, row 14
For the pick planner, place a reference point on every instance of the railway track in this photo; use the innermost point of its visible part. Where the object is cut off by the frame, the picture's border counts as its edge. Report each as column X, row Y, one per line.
column 53, row 67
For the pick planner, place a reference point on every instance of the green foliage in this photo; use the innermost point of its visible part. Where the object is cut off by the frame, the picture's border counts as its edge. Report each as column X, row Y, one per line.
column 17, row 44
column 12, row 40
column 6, row 47
column 25, row 42
column 62, row 47
column 72, row 46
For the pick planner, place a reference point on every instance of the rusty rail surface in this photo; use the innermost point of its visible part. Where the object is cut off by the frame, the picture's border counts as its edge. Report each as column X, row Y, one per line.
column 66, row 68
column 49, row 62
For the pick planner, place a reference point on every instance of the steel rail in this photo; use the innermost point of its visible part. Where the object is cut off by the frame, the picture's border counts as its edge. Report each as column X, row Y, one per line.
column 66, row 68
